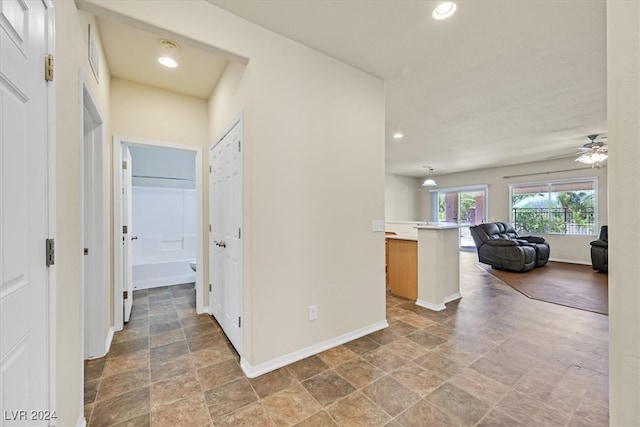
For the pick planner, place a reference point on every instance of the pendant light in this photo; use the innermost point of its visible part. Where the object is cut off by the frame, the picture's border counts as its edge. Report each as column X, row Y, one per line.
column 429, row 182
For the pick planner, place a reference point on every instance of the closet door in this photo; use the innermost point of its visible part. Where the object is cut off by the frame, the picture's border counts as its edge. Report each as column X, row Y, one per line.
column 226, row 299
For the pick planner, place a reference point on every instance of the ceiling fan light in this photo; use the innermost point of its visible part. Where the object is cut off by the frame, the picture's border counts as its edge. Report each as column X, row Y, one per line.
column 586, row 158
column 599, row 157
column 592, row 158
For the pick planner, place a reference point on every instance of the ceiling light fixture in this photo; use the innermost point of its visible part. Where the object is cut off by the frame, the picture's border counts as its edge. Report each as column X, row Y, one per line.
column 592, row 158
column 398, row 135
column 429, row 182
column 444, row 10
column 168, row 61
column 168, row 53
column 596, row 152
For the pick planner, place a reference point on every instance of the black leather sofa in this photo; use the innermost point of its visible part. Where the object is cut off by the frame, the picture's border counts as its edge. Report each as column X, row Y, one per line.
column 599, row 251
column 500, row 246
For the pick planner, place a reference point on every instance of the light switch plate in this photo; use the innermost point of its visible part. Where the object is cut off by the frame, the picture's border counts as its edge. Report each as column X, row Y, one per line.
column 377, row 225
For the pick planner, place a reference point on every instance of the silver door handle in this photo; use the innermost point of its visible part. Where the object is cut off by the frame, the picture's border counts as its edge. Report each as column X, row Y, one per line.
column 134, row 238
column 221, row 243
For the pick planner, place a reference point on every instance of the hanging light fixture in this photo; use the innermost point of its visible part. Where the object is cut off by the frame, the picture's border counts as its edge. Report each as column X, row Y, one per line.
column 429, row 182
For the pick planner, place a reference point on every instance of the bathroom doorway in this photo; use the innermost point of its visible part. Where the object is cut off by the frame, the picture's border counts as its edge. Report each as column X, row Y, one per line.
column 163, row 208
column 159, row 242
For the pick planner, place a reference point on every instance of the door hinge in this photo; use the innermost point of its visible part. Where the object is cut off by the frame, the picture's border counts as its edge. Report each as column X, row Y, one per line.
column 239, row 146
column 50, row 251
column 209, row 287
column 239, row 233
column 124, row 164
column 209, row 227
column 239, row 321
column 125, row 229
column 209, row 168
column 48, row 67
column 125, row 295
column 86, row 251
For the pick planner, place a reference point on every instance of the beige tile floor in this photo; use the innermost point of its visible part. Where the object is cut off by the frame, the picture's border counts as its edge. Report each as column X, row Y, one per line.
column 495, row 358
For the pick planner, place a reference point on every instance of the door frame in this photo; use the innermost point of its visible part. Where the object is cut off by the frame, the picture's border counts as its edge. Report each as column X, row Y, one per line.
column 95, row 329
column 51, row 205
column 434, row 193
column 118, row 142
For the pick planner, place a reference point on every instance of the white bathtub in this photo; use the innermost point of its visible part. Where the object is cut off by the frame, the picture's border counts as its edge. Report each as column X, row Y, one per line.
column 165, row 273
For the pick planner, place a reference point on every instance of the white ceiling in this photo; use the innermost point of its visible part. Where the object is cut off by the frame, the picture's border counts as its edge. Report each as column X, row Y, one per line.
column 502, row 82
column 132, row 54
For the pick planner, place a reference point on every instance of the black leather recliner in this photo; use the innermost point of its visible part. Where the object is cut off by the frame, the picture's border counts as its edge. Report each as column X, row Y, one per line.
column 599, row 251
column 500, row 246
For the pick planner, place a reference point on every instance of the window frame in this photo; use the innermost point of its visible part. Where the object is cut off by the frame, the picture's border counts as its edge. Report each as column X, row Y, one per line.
column 549, row 184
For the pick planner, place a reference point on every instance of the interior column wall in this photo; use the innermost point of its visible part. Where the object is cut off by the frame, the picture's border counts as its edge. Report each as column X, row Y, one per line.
column 623, row 105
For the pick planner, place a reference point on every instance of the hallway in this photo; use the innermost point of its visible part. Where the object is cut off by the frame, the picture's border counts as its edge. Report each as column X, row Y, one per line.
column 493, row 358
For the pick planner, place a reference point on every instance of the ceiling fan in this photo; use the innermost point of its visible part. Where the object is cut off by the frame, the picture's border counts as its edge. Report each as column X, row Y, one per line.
column 594, row 152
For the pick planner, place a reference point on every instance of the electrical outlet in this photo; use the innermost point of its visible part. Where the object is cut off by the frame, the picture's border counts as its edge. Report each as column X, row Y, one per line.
column 313, row 312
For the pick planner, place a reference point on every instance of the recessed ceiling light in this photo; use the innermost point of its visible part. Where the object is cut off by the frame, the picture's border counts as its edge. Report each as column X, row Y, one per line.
column 168, row 53
column 168, row 62
column 444, row 10
column 398, row 135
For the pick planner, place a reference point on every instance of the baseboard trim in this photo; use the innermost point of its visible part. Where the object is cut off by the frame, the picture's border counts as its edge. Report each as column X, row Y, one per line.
column 430, row 306
column 452, row 297
column 279, row 362
column 109, row 340
column 568, row 261
column 205, row 310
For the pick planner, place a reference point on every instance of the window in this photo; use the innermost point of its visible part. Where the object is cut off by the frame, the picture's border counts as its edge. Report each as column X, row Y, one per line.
column 559, row 207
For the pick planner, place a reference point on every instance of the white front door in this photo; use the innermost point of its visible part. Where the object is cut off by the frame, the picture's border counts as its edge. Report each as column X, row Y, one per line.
column 226, row 234
column 127, row 232
column 25, row 376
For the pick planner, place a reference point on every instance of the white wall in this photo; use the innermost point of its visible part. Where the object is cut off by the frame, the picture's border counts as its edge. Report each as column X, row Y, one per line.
column 402, row 198
column 71, row 56
column 147, row 112
column 310, row 193
column 623, row 107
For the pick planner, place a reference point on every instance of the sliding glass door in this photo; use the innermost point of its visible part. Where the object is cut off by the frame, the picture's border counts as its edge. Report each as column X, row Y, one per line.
column 465, row 206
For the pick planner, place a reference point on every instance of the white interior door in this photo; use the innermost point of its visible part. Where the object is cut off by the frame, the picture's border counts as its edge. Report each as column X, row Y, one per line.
column 216, row 208
column 24, row 225
column 226, row 299
column 127, row 233
column 94, row 229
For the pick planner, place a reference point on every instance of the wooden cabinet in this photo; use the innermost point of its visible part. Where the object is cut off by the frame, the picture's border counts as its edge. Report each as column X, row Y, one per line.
column 402, row 267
